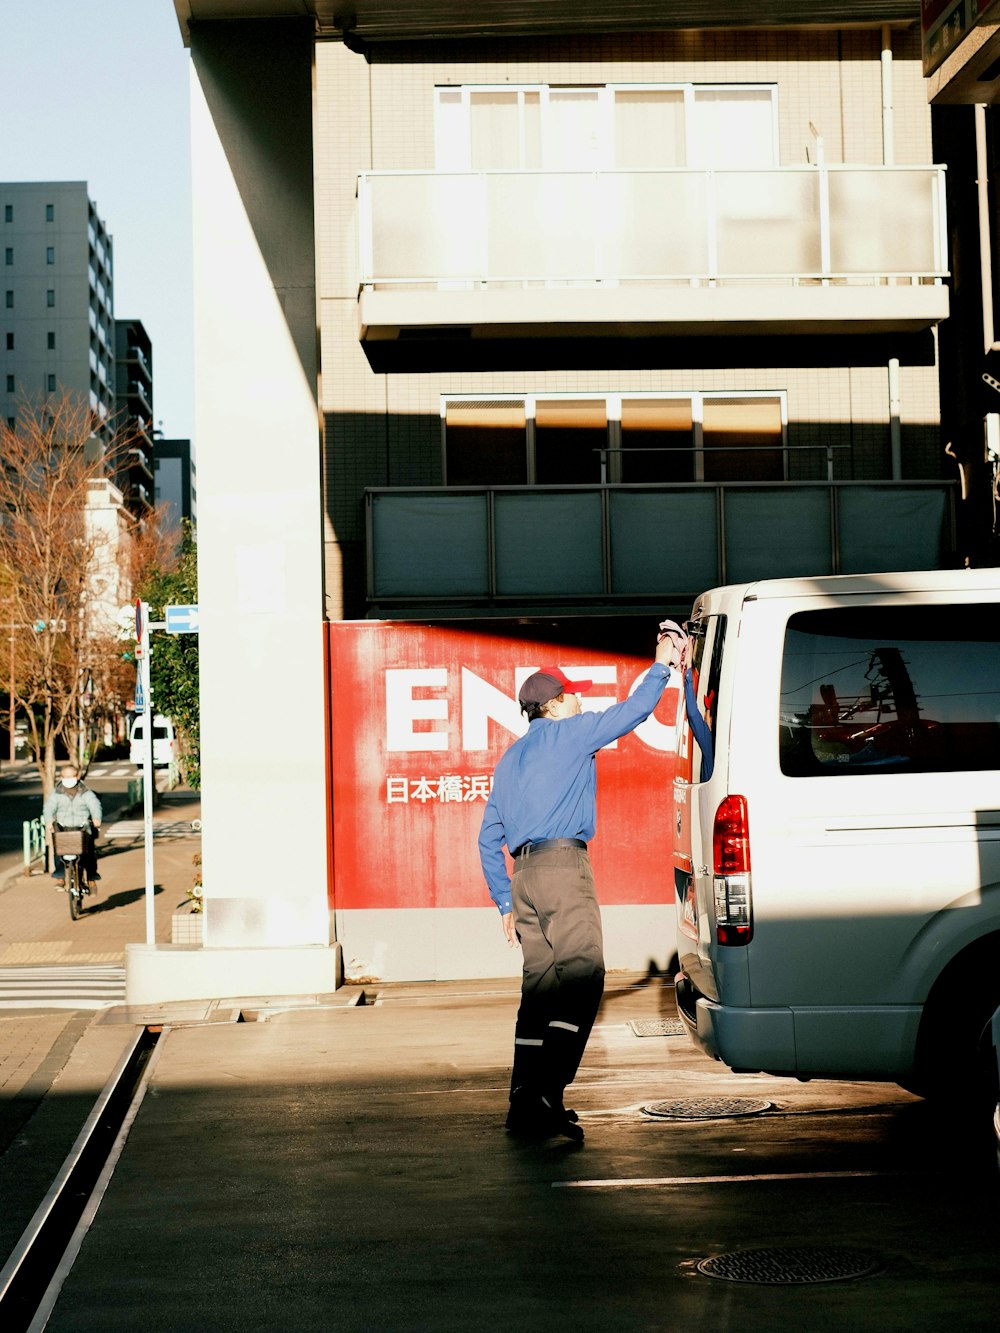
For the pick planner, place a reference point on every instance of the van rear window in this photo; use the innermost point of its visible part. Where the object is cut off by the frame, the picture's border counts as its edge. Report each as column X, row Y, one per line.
column 891, row 689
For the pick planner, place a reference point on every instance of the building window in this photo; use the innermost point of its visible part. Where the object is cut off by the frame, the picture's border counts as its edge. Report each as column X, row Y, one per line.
column 50, row 212
column 650, row 439
column 867, row 691
column 606, row 127
column 486, row 443
column 10, row 342
column 8, row 255
column 8, row 212
column 9, row 299
column 569, row 436
column 10, row 383
column 50, row 381
column 50, row 254
column 50, row 297
column 50, row 340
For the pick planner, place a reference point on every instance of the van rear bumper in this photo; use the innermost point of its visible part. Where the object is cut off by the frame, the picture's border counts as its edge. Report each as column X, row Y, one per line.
column 764, row 1038
column 836, row 1041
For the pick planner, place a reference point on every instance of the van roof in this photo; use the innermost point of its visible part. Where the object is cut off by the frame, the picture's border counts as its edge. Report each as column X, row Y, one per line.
column 838, row 585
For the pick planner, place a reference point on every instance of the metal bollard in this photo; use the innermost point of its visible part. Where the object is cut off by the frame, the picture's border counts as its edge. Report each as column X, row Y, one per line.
column 33, row 837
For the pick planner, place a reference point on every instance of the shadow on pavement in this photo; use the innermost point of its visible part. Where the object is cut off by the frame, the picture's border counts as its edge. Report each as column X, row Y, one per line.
column 115, row 900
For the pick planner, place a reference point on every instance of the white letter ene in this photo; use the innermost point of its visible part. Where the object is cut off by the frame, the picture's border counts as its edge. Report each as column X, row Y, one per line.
column 402, row 709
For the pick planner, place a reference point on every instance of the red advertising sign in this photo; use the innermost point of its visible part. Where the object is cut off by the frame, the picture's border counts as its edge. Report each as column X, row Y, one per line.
column 419, row 716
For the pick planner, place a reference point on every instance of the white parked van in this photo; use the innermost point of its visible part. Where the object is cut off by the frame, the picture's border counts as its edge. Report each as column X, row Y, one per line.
column 837, row 853
column 163, row 741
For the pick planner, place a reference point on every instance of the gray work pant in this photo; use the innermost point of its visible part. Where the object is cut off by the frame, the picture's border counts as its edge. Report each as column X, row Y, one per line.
column 558, row 923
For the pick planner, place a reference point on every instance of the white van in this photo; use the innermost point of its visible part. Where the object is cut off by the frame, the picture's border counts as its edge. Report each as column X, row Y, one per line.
column 163, row 741
column 837, row 858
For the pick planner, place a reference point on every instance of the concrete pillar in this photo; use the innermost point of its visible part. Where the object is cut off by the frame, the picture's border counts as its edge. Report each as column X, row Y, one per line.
column 260, row 594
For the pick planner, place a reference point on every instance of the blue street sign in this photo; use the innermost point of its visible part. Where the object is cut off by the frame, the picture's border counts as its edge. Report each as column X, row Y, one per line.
column 180, row 619
column 140, row 701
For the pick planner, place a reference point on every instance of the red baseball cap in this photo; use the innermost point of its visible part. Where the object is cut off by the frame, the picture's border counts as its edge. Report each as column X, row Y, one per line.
column 548, row 683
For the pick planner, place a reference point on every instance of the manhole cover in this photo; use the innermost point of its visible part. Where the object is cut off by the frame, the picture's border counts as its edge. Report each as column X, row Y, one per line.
column 706, row 1108
column 657, row 1027
column 780, row 1267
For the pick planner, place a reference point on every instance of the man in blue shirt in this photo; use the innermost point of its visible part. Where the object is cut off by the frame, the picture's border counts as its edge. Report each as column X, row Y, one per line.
column 543, row 808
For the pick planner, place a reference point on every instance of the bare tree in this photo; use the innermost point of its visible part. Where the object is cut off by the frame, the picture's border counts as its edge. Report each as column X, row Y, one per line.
column 63, row 541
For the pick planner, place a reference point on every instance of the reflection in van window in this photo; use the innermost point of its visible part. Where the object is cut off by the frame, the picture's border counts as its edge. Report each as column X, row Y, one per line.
column 891, row 689
column 701, row 697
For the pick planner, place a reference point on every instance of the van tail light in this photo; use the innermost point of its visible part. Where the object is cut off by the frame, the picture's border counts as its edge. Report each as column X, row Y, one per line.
column 731, row 866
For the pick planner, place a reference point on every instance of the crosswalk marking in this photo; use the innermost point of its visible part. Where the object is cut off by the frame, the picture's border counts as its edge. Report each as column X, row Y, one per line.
column 84, row 986
column 134, row 828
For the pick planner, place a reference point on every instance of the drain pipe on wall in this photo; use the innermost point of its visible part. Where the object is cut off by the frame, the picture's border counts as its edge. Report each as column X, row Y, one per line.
column 990, row 343
column 888, row 159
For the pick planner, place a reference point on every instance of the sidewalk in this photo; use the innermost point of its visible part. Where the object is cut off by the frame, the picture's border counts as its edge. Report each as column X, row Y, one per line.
column 35, row 925
column 54, row 1062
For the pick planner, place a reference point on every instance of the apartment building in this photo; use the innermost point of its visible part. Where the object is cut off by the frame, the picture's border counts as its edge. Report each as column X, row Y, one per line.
column 58, row 300
column 696, row 274
column 175, row 477
column 611, row 308
column 134, row 462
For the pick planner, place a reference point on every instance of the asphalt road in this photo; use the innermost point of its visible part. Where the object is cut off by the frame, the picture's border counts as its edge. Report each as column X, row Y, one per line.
column 348, row 1169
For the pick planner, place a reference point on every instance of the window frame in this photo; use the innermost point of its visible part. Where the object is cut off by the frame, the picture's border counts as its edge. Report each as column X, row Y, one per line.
column 612, row 463
column 454, row 153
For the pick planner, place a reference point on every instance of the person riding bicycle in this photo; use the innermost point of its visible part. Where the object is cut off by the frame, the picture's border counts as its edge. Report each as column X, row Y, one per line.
column 74, row 805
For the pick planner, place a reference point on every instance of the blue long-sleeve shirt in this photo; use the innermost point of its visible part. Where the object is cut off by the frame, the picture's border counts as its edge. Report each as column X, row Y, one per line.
column 545, row 784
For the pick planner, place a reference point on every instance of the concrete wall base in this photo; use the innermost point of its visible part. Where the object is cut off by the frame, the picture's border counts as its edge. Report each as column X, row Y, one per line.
column 455, row 943
column 161, row 973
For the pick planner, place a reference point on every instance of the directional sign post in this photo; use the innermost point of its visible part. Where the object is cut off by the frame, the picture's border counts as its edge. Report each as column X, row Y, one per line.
column 180, row 619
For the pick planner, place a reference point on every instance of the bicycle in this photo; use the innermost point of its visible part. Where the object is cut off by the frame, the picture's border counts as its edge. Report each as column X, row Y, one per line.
column 70, row 844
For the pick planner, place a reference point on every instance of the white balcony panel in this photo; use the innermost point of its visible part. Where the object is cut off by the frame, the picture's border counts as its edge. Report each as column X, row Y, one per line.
column 888, row 241
column 661, row 251
column 654, row 222
column 768, row 222
column 428, row 227
column 542, row 226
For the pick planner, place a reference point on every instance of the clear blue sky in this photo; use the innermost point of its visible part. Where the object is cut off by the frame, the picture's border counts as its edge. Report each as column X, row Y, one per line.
column 97, row 90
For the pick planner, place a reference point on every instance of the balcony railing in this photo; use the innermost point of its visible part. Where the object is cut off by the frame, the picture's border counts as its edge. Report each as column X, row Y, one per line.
column 631, row 544
column 793, row 225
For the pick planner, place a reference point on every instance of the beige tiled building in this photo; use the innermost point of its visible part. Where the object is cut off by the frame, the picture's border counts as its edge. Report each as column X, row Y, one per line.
column 526, row 181
column 543, row 318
